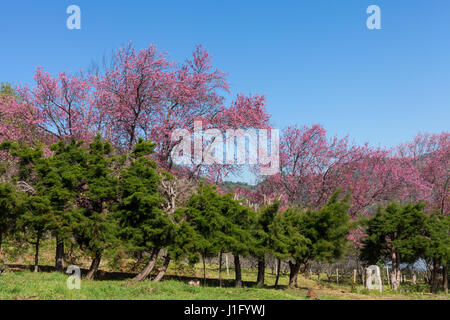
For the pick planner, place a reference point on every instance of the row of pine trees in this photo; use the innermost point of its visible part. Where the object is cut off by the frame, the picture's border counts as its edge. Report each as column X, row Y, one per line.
column 101, row 200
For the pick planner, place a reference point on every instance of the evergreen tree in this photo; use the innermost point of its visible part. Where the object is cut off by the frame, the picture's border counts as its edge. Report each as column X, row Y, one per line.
column 141, row 220
column 55, row 180
column 280, row 239
column 9, row 209
column 28, row 209
column 180, row 243
column 62, row 180
column 437, row 248
column 295, row 244
column 395, row 233
column 263, row 236
column 236, row 235
column 316, row 235
column 34, row 222
column 223, row 225
column 93, row 226
column 205, row 215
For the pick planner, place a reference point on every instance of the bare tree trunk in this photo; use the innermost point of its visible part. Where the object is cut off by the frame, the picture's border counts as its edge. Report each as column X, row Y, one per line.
column 163, row 270
column 148, row 267
column 261, row 271
column 59, row 257
column 294, row 269
column 220, row 269
column 238, row 272
column 36, row 252
column 204, row 270
column 435, row 276
column 395, row 272
column 94, row 266
column 308, row 270
column 445, row 278
column 278, row 272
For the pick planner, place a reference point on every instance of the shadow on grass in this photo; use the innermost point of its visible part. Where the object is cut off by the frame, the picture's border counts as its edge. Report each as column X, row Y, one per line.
column 105, row 275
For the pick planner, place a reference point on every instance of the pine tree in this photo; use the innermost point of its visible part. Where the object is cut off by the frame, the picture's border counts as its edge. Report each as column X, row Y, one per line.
column 34, row 222
column 55, row 180
column 316, row 235
column 437, row 248
column 204, row 214
column 142, row 222
column 295, row 244
column 236, row 233
column 93, row 224
column 62, row 180
column 263, row 237
column 395, row 233
column 9, row 209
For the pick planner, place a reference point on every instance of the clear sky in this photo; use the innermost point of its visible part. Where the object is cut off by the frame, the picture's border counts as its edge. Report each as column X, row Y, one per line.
column 315, row 60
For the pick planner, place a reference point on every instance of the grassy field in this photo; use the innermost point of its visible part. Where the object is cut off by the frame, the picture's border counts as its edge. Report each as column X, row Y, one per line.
column 20, row 285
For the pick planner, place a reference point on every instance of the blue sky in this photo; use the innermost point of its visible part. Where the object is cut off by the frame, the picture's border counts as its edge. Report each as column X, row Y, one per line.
column 315, row 60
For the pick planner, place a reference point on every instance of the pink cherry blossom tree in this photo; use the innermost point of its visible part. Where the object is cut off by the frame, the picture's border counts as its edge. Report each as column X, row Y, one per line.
column 64, row 105
column 429, row 179
column 18, row 120
column 145, row 95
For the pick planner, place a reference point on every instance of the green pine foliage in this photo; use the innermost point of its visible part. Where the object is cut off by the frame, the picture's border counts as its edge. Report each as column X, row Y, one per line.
column 10, row 203
column 263, row 232
column 315, row 235
column 437, row 238
column 396, row 229
column 104, row 202
column 93, row 225
column 142, row 222
column 205, row 215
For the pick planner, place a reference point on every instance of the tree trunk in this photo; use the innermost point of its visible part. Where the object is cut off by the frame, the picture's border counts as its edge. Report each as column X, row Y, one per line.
column 59, row 257
column 148, row 267
column 308, row 270
column 140, row 258
column 395, row 271
column 435, row 276
column 237, row 269
column 261, row 271
column 94, row 266
column 220, row 269
column 1, row 240
column 445, row 278
column 163, row 270
column 294, row 269
column 204, row 270
column 278, row 272
column 36, row 252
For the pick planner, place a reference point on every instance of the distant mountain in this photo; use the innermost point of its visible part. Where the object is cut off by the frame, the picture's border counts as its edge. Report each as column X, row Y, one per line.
column 229, row 185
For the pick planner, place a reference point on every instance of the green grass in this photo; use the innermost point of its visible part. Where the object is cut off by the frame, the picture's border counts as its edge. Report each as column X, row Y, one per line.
column 52, row 286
